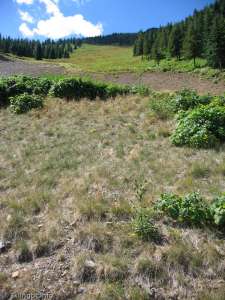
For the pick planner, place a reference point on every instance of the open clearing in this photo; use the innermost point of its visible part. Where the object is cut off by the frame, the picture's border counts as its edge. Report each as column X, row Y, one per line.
column 67, row 186
column 81, row 65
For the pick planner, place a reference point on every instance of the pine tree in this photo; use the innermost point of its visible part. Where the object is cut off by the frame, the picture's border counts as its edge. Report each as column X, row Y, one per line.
column 191, row 43
column 146, row 46
column 216, row 45
column 175, row 42
column 38, row 51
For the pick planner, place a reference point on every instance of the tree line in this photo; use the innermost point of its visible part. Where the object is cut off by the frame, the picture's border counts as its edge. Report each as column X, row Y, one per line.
column 200, row 35
column 47, row 49
column 119, row 39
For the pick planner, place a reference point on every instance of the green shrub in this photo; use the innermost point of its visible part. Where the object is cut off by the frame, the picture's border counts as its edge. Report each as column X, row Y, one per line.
column 25, row 102
column 3, row 94
column 17, row 85
column 218, row 211
column 140, row 89
column 203, row 127
column 169, row 204
column 161, row 105
column 144, row 227
column 194, row 210
column 24, row 253
column 77, row 88
column 41, row 86
column 191, row 209
column 188, row 99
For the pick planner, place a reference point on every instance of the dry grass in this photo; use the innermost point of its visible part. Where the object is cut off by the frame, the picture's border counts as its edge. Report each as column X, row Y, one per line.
column 69, row 176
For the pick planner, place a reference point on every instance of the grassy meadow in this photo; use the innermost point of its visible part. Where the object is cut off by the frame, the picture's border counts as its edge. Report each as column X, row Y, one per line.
column 115, row 59
column 70, row 175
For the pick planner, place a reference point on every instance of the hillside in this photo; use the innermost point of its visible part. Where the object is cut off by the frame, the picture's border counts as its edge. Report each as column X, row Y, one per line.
column 200, row 35
column 71, row 176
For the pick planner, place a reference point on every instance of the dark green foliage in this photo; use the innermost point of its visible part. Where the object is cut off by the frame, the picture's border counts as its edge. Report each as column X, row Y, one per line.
column 23, row 103
column 3, row 94
column 25, row 84
column 162, row 106
column 48, row 49
column 191, row 44
column 188, row 99
column 200, row 35
column 191, row 209
column 76, row 88
column 215, row 53
column 16, row 85
column 169, row 204
column 38, row 51
column 119, row 39
column 203, row 127
column 144, row 227
column 218, row 211
column 139, row 45
column 175, row 42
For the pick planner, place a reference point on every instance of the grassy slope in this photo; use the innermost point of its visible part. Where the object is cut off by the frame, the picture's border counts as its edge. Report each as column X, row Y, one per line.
column 67, row 178
column 114, row 59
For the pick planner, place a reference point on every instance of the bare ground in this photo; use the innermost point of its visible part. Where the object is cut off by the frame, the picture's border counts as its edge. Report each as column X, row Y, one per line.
column 159, row 81
column 15, row 67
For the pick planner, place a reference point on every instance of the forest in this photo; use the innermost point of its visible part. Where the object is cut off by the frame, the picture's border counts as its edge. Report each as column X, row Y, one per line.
column 200, row 35
column 48, row 49
column 118, row 39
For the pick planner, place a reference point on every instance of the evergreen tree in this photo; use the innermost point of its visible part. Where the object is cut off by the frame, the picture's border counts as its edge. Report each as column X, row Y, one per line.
column 191, row 45
column 216, row 45
column 38, row 51
column 175, row 42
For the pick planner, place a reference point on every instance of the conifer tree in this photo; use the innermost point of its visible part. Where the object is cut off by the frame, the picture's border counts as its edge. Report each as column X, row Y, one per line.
column 191, row 43
column 216, row 45
column 38, row 51
column 175, row 42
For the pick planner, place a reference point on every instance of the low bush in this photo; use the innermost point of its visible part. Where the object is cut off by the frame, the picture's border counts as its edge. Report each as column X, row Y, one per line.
column 191, row 209
column 24, row 84
column 203, row 127
column 25, row 102
column 188, row 99
column 144, row 227
column 3, row 94
column 140, row 89
column 77, row 88
column 218, row 211
column 162, row 106
column 17, row 85
column 169, row 204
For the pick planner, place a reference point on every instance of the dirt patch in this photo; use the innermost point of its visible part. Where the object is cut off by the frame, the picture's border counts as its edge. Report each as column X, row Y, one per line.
column 14, row 67
column 159, row 81
column 169, row 81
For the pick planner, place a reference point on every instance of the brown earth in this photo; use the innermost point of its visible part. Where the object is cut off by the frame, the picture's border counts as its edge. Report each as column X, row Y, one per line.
column 9, row 66
column 159, row 81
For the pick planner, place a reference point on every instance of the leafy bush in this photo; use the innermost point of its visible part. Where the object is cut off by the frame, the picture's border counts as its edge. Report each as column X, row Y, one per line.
column 144, row 227
column 194, row 210
column 191, row 209
column 17, row 85
column 41, row 86
column 77, row 88
column 203, row 127
column 218, row 211
column 188, row 99
column 23, row 84
column 169, row 204
column 161, row 105
column 3, row 94
column 142, row 90
column 25, row 102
